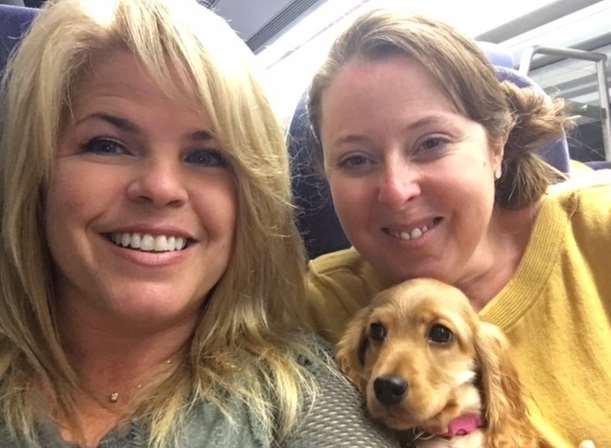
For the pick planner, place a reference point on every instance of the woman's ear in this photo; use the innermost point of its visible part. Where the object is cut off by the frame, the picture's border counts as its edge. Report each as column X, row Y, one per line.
column 497, row 151
column 505, row 409
column 352, row 348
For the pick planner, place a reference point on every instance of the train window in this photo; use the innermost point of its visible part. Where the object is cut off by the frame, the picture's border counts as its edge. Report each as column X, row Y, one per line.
column 292, row 57
column 579, row 81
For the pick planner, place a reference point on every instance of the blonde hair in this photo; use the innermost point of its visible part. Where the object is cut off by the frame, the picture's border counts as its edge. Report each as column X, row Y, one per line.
column 245, row 344
column 521, row 116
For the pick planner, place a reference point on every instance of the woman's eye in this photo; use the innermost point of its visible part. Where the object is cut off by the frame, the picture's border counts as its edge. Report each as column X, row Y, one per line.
column 206, row 157
column 104, row 146
column 432, row 144
column 440, row 334
column 355, row 162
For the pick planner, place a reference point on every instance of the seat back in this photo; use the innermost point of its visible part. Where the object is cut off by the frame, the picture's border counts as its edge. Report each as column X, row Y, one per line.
column 497, row 55
column 14, row 22
column 316, row 217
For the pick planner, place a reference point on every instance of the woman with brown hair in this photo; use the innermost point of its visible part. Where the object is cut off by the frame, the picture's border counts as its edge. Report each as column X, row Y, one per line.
column 433, row 171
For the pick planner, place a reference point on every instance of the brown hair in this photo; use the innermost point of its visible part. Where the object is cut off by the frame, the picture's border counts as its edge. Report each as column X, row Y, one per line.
column 524, row 117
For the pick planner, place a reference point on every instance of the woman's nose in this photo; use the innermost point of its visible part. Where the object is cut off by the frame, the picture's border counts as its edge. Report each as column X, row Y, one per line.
column 158, row 183
column 398, row 185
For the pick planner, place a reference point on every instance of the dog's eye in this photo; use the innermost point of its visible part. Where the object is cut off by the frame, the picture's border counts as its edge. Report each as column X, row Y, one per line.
column 377, row 332
column 440, row 334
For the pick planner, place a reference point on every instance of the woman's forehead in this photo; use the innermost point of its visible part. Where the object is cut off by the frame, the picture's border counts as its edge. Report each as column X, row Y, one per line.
column 397, row 89
column 120, row 75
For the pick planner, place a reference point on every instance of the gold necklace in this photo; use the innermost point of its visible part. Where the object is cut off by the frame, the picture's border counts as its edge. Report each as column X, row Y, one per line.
column 114, row 396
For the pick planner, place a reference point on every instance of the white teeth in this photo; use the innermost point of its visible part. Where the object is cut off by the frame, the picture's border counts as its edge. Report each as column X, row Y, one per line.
column 414, row 234
column 161, row 244
column 136, row 241
column 148, row 243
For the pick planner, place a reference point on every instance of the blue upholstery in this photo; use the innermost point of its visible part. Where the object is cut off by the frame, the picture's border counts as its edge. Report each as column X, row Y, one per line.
column 496, row 54
column 14, row 21
column 599, row 164
column 316, row 217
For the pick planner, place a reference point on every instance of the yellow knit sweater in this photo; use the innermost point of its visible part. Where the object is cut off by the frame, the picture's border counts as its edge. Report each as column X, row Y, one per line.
column 556, row 311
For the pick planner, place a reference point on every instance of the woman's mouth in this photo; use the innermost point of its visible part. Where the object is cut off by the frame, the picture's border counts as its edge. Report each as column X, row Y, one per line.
column 413, row 233
column 145, row 242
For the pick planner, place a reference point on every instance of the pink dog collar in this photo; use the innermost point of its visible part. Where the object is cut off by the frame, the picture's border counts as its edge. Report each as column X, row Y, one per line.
column 463, row 425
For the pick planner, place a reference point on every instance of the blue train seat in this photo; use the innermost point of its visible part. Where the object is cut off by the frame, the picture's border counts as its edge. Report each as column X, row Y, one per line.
column 14, row 22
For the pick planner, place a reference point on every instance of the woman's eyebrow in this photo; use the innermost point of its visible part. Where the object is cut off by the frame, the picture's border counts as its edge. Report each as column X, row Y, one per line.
column 118, row 122
column 126, row 125
column 350, row 138
column 434, row 119
column 202, row 135
column 429, row 120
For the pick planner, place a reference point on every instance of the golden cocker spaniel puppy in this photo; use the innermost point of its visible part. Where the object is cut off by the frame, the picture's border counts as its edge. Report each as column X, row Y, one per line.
column 424, row 361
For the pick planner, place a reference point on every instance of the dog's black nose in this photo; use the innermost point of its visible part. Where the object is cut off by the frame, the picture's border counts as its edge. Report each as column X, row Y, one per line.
column 389, row 389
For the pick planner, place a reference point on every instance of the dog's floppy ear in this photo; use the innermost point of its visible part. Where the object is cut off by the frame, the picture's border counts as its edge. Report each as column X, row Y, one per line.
column 505, row 409
column 352, row 347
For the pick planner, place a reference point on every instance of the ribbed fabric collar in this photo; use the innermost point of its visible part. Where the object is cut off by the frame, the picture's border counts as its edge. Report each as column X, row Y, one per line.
column 541, row 255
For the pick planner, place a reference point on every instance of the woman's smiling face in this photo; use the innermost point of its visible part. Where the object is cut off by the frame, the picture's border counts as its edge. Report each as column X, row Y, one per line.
column 141, row 209
column 412, row 179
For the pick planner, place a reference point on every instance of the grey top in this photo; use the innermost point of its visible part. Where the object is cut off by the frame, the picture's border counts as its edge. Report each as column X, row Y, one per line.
column 335, row 419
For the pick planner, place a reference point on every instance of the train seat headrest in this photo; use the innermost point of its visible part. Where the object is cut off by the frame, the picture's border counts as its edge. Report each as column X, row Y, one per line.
column 14, row 22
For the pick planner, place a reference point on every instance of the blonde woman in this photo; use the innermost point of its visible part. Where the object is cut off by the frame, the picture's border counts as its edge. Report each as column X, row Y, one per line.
column 150, row 270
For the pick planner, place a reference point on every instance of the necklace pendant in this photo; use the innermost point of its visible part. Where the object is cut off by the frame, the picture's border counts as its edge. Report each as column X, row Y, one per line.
column 114, row 397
